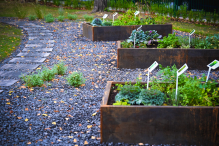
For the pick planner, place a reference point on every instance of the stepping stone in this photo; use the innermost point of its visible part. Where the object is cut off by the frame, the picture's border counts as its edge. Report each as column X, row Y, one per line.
column 11, row 74
column 31, row 29
column 33, row 45
column 20, row 66
column 29, row 60
column 38, row 49
column 1, row 91
column 7, row 82
column 41, row 41
column 34, row 54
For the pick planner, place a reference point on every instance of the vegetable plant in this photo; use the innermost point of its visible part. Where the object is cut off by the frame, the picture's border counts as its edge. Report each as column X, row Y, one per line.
column 172, row 40
column 96, row 22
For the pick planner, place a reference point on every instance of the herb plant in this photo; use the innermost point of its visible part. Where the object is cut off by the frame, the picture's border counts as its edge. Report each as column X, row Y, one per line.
column 47, row 74
column 38, row 11
column 172, row 40
column 49, row 18
column 61, row 18
column 60, row 68
column 33, row 80
column 32, row 17
column 72, row 17
column 76, row 79
column 88, row 18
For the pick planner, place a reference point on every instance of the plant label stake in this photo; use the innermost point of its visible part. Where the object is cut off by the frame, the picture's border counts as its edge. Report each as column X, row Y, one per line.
column 150, row 69
column 213, row 65
column 104, row 16
column 138, row 29
column 191, row 33
column 179, row 72
column 136, row 13
column 114, row 15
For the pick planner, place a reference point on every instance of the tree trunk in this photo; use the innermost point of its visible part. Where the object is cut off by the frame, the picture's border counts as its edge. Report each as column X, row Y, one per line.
column 99, row 5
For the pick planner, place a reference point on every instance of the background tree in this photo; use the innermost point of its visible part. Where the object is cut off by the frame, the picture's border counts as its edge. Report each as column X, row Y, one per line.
column 99, row 5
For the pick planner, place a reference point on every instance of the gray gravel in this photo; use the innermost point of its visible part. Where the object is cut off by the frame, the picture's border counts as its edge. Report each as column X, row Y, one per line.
column 70, row 108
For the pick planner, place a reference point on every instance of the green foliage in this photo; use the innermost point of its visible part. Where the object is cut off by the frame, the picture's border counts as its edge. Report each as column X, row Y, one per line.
column 184, row 11
column 208, row 17
column 60, row 68
column 160, row 19
column 190, row 15
column 47, row 74
column 72, row 17
column 215, row 17
column 32, row 17
column 201, row 16
column 177, row 14
column 61, row 11
column 75, row 4
column 170, row 10
column 88, row 18
column 67, row 3
column 33, row 80
column 20, row 10
column 147, row 21
column 150, row 97
column 172, row 40
column 88, row 5
column 213, row 41
column 96, row 22
column 195, row 17
column 56, row 2
column 183, row 41
column 139, row 36
column 123, row 102
column 126, row 44
column 107, row 23
column 151, row 35
column 49, row 18
column 61, row 18
column 76, row 79
column 38, row 11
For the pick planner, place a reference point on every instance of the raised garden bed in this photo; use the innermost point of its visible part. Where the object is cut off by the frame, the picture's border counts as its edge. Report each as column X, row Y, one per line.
column 144, row 57
column 191, row 125
column 115, row 33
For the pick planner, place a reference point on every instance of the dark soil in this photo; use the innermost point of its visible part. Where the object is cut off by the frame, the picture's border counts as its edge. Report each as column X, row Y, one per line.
column 112, row 95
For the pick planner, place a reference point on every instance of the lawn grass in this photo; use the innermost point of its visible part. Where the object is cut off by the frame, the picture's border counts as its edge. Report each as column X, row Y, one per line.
column 10, row 38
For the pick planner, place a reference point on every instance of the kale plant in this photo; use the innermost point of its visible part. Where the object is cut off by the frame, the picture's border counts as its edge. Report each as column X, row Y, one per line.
column 151, row 35
column 139, row 36
column 96, row 22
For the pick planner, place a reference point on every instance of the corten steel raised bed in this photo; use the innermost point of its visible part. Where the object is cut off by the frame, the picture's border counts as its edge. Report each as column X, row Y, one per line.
column 144, row 57
column 188, row 125
column 115, row 33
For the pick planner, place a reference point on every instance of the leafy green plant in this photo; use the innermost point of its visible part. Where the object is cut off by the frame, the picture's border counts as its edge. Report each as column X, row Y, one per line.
column 190, row 15
column 151, row 35
column 75, row 4
column 38, row 11
column 177, row 14
column 72, row 17
column 76, row 79
column 49, row 18
column 61, row 18
column 107, row 23
column 172, row 40
column 88, row 18
column 47, row 74
column 123, row 102
column 56, row 2
column 67, row 3
column 32, row 17
column 213, row 41
column 201, row 16
column 20, row 10
column 96, row 22
column 137, row 36
column 126, row 44
column 61, row 11
column 88, row 5
column 60, row 68
column 208, row 17
column 170, row 11
column 183, row 41
column 215, row 17
column 184, row 12
column 195, row 17
column 33, row 80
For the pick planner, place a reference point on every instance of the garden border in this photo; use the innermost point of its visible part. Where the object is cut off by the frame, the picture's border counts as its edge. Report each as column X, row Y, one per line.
column 192, row 125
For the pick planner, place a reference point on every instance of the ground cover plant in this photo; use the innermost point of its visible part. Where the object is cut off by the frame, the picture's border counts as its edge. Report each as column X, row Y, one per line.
column 191, row 91
column 32, row 17
column 49, row 18
column 10, row 38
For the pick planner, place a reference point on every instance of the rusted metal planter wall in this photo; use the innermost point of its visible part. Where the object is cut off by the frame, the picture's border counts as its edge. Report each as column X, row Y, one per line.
column 144, row 57
column 159, row 124
column 115, row 33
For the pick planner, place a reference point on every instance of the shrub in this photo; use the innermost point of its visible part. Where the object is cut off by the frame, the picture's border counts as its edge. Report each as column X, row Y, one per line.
column 61, row 18
column 56, row 2
column 47, row 74
column 33, row 80
column 72, row 17
column 38, row 11
column 49, row 18
column 107, row 23
column 32, row 17
column 20, row 10
column 96, row 22
column 76, row 79
column 60, row 68
column 88, row 18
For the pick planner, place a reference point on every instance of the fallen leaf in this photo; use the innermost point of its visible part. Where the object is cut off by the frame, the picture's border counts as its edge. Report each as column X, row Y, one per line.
column 70, row 136
column 44, row 114
column 75, row 140
column 23, row 87
column 54, row 123
column 85, row 142
column 54, row 101
column 140, row 144
column 19, row 118
column 26, row 109
column 29, row 142
column 8, row 103
column 92, row 137
column 94, row 114
column 26, row 120
column 80, row 125
column 60, row 128
column 89, row 126
column 62, row 102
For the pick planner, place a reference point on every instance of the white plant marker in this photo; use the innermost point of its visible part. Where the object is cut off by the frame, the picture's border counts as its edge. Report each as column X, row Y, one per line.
column 191, row 33
column 138, row 29
column 104, row 16
column 179, row 72
column 213, row 65
column 150, row 69
column 114, row 15
column 136, row 13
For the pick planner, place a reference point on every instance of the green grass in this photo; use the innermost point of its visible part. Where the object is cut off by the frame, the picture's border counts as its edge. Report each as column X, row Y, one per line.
column 199, row 29
column 10, row 38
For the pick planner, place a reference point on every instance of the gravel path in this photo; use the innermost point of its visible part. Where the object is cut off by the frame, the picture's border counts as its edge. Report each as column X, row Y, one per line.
column 58, row 113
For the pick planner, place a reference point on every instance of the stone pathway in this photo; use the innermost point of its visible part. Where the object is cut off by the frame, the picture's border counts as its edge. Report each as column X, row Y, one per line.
column 39, row 46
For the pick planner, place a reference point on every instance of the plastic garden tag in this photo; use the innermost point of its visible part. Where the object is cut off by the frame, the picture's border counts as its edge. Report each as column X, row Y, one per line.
column 114, row 15
column 179, row 72
column 213, row 65
column 191, row 33
column 150, row 69
column 105, row 15
column 136, row 13
column 138, row 29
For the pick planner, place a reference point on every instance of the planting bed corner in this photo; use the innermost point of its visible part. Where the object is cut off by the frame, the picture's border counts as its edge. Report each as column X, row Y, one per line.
column 190, row 125
column 115, row 33
column 144, row 57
